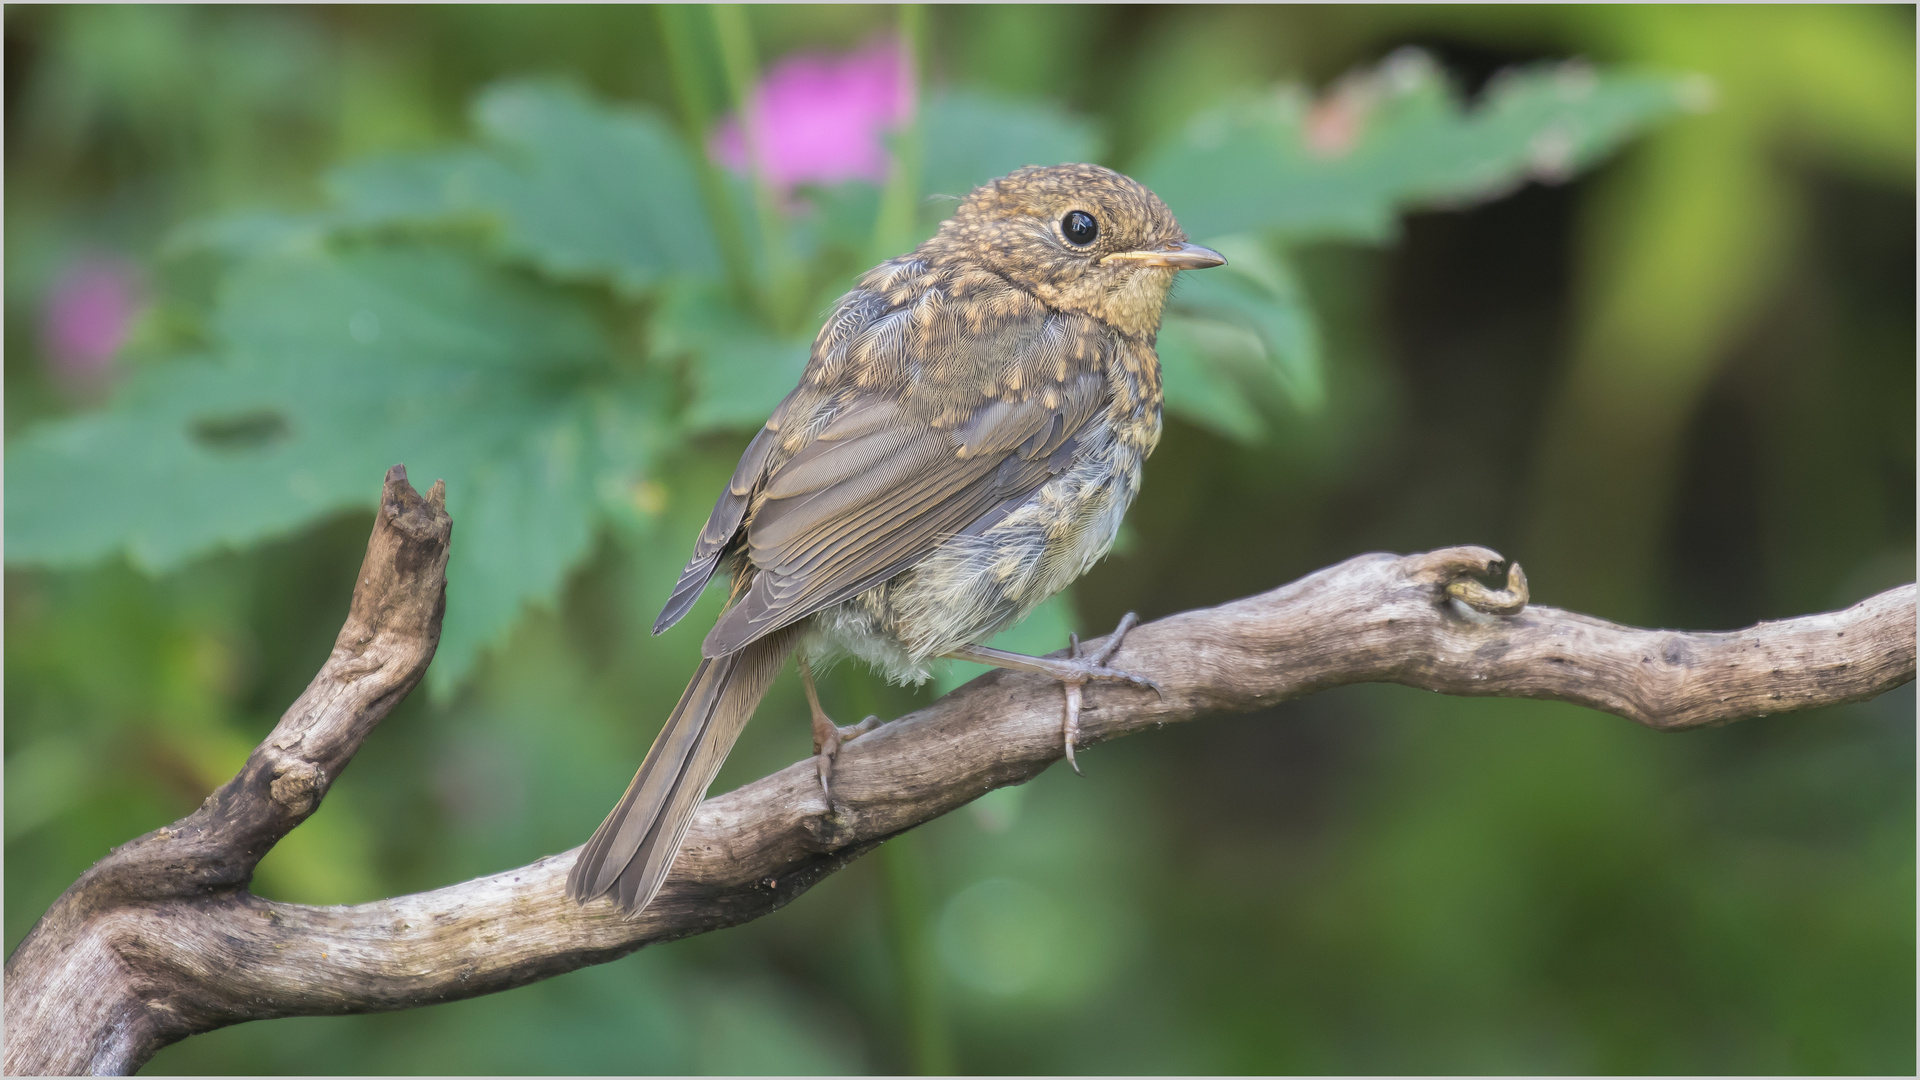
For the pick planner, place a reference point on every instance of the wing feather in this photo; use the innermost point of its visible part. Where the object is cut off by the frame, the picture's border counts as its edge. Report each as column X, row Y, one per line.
column 728, row 512
column 906, row 433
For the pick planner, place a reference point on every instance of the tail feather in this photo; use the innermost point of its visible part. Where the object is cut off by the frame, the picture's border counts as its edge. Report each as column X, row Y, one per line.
column 634, row 848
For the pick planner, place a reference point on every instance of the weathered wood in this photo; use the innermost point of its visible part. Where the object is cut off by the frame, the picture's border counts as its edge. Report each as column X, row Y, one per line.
column 96, row 985
column 161, row 939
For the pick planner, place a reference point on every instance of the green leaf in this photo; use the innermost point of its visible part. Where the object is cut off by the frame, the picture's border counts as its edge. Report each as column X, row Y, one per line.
column 972, row 138
column 330, row 368
column 836, row 216
column 588, row 189
column 1246, row 328
column 1198, row 358
column 580, row 189
column 250, row 233
column 739, row 369
column 967, row 139
column 400, row 189
column 1391, row 139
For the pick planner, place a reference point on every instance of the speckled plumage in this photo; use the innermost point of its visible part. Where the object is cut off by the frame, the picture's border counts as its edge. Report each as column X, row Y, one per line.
column 967, row 435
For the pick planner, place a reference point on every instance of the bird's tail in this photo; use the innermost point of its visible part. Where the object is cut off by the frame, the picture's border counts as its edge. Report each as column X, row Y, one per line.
column 634, row 848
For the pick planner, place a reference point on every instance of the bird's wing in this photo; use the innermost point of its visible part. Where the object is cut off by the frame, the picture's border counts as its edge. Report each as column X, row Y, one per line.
column 728, row 512
column 933, row 423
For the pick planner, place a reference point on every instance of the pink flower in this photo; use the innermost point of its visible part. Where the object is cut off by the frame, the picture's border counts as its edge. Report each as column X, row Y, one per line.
column 87, row 316
column 818, row 118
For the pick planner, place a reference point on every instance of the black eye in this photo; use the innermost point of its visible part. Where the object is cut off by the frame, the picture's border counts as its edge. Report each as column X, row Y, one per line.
column 1079, row 227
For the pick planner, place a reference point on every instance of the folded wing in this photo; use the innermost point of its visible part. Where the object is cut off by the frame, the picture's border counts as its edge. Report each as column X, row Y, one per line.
column 969, row 425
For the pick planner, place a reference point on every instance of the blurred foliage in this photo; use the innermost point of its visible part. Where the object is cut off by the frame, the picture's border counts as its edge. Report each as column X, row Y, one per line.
column 487, row 242
column 363, row 332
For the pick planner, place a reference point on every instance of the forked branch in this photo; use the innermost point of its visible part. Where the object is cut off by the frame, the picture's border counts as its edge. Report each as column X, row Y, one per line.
column 162, row 940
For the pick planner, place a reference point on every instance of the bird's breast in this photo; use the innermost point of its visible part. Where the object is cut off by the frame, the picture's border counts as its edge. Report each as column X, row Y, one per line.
column 1133, row 373
column 971, row 587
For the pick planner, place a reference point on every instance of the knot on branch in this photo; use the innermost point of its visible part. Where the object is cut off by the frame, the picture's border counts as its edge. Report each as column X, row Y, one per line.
column 297, row 787
column 1483, row 580
column 829, row 831
column 1476, row 594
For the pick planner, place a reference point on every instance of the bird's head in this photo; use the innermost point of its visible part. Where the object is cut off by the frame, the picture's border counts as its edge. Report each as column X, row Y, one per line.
column 1080, row 237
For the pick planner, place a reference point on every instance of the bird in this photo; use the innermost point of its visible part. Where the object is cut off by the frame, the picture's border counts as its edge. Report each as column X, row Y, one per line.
column 968, row 432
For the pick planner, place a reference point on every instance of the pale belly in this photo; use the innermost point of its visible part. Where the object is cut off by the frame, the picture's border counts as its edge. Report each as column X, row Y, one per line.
column 972, row 587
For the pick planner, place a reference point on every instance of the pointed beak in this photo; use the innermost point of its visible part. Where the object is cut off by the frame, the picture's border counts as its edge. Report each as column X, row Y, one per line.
column 1180, row 256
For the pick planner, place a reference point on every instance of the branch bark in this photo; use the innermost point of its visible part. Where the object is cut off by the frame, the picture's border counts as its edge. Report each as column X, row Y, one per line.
column 162, row 940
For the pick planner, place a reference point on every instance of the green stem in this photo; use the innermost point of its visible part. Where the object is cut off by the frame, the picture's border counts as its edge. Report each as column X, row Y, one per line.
column 895, row 226
column 929, row 1044
column 696, row 115
column 737, row 59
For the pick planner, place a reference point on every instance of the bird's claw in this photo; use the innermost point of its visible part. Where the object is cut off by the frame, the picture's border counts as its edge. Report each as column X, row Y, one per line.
column 1085, row 669
column 1128, row 677
column 827, row 741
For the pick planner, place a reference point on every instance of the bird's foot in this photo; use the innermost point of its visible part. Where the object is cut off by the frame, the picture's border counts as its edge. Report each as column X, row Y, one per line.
column 827, row 740
column 1087, row 668
column 1074, row 673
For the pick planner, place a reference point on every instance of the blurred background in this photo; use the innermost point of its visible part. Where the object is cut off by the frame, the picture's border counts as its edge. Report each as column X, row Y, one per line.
column 1659, row 348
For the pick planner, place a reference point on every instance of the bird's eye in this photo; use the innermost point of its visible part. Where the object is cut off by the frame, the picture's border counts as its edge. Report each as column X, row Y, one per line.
column 1079, row 227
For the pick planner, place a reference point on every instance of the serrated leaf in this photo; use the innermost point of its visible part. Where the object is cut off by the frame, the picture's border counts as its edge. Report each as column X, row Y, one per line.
column 1391, row 139
column 329, row 369
column 578, row 188
column 590, row 189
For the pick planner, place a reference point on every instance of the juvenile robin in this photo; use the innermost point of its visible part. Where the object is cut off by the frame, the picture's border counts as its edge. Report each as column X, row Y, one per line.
column 968, row 432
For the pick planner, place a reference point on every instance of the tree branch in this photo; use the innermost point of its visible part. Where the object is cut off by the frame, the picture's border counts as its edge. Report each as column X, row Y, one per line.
column 94, row 986
column 161, row 940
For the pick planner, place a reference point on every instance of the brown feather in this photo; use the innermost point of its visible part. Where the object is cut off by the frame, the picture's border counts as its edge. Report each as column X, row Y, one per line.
column 969, row 429
column 873, row 492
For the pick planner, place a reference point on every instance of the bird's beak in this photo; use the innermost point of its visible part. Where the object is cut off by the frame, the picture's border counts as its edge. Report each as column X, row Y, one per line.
column 1179, row 255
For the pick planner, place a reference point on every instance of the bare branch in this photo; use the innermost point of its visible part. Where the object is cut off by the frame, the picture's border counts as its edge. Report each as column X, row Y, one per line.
column 77, row 1000
column 161, row 940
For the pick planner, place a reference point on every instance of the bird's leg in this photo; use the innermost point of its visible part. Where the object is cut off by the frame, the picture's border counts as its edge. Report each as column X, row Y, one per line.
column 1074, row 672
column 826, row 737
